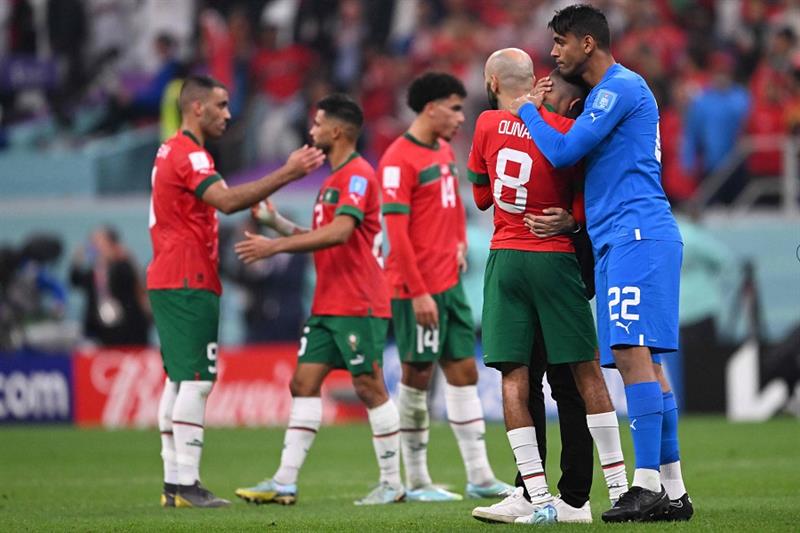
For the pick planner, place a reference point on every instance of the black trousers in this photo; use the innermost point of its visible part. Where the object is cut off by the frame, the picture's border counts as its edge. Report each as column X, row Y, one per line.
column 577, row 459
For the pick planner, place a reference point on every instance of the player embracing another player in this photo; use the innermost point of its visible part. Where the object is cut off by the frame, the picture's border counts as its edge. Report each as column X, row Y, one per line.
column 636, row 244
column 533, row 284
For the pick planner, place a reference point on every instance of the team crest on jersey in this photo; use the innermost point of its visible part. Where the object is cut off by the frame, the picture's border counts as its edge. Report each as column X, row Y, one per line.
column 605, row 100
column 330, row 196
column 200, row 161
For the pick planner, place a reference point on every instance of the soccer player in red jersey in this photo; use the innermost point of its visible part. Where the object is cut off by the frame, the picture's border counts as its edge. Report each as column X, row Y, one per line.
column 182, row 279
column 432, row 320
column 535, row 280
column 350, row 312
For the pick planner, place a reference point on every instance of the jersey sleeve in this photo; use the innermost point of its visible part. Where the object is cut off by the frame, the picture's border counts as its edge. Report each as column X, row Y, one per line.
column 356, row 190
column 197, row 170
column 610, row 105
column 398, row 180
column 476, row 165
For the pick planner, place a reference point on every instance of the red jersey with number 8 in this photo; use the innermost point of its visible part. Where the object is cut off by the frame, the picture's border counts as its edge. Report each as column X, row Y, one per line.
column 350, row 276
column 422, row 181
column 183, row 228
column 522, row 180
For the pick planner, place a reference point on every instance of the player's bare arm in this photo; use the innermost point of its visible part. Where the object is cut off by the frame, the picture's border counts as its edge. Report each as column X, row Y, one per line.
column 461, row 257
column 266, row 214
column 256, row 247
column 233, row 199
column 553, row 221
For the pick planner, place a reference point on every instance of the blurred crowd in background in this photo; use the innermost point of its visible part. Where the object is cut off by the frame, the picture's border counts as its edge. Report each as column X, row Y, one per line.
column 719, row 68
column 723, row 71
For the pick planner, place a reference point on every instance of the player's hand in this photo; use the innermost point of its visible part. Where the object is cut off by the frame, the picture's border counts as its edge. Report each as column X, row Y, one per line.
column 304, row 160
column 535, row 99
column 461, row 257
column 540, row 90
column 255, row 247
column 425, row 311
column 553, row 221
column 264, row 213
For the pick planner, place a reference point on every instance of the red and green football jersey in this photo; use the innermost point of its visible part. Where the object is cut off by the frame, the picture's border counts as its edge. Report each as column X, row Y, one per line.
column 183, row 229
column 350, row 277
column 422, row 181
column 522, row 179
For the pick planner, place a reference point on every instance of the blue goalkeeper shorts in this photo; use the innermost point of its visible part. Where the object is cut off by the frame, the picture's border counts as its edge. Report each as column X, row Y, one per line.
column 638, row 285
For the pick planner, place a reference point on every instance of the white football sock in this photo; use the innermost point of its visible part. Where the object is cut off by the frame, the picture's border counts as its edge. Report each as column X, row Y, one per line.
column 526, row 453
column 187, row 428
column 672, row 479
column 647, row 479
column 465, row 414
column 604, row 428
column 413, row 407
column 165, row 407
column 385, row 423
column 304, row 423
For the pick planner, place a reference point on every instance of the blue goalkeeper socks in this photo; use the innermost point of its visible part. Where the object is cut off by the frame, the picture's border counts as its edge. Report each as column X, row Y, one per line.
column 645, row 408
column 669, row 430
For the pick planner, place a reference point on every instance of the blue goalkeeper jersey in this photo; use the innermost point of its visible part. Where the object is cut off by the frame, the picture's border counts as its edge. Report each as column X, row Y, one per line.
column 617, row 135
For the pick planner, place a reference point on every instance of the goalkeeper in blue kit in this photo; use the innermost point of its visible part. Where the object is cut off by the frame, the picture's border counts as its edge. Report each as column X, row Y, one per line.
column 636, row 244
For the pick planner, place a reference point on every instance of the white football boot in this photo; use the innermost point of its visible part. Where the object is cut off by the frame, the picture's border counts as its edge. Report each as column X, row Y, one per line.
column 506, row 511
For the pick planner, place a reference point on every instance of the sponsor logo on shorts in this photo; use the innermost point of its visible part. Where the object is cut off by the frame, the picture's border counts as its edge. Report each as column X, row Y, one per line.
column 357, row 360
column 624, row 326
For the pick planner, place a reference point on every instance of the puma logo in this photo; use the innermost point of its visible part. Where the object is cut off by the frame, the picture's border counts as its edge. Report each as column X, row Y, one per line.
column 624, row 326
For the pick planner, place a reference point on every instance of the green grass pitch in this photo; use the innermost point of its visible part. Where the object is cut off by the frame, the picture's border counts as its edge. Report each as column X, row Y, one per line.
column 742, row 477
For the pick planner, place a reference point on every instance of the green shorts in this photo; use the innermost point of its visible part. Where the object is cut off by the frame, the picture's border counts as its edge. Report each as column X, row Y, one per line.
column 187, row 321
column 352, row 342
column 453, row 339
column 523, row 289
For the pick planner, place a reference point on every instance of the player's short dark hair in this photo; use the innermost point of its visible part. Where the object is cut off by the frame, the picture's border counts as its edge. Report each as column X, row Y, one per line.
column 573, row 88
column 342, row 107
column 196, row 86
column 433, row 86
column 582, row 20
